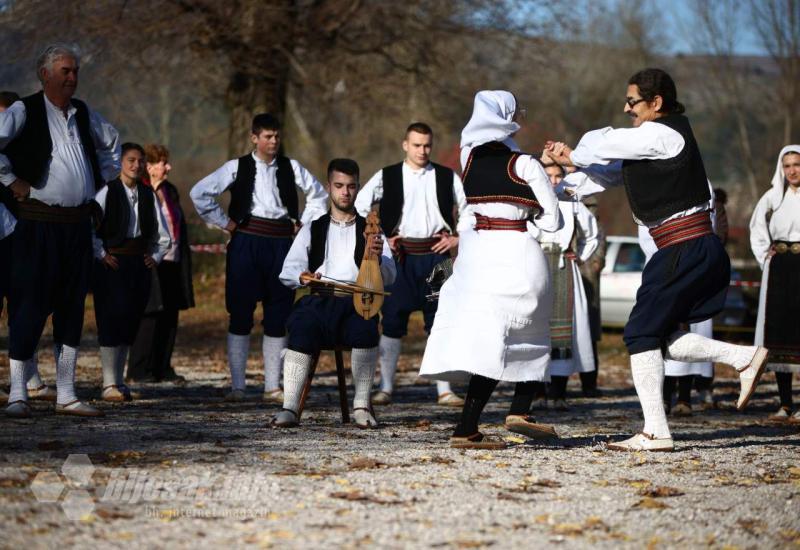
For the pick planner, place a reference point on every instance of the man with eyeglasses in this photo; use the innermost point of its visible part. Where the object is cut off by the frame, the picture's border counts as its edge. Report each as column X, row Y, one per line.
column 659, row 163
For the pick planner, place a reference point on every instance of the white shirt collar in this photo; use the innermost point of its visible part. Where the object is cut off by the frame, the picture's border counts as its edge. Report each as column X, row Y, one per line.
column 417, row 171
column 50, row 105
column 270, row 163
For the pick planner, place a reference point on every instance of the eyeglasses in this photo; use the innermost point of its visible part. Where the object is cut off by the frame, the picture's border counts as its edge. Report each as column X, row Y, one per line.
column 633, row 102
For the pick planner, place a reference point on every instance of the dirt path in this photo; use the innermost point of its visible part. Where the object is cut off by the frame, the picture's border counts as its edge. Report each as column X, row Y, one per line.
column 181, row 468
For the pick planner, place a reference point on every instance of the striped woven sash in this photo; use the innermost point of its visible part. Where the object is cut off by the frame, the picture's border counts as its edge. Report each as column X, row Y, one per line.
column 682, row 229
column 499, row 224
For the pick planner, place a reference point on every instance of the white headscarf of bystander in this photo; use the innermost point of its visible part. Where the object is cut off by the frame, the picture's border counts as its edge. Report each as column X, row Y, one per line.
column 779, row 179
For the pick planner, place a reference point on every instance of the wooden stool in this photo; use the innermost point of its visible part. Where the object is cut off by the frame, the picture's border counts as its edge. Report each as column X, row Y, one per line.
column 342, row 383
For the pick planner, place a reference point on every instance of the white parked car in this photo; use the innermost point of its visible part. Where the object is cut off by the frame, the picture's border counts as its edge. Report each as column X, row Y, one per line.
column 620, row 279
column 622, row 276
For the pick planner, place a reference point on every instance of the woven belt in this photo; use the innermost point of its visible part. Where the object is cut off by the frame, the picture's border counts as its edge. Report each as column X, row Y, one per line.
column 417, row 247
column 499, row 224
column 130, row 247
column 264, row 227
column 37, row 211
column 322, row 291
column 782, row 247
column 682, row 229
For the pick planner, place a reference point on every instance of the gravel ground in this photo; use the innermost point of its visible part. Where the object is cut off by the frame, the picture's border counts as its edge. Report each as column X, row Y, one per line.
column 201, row 472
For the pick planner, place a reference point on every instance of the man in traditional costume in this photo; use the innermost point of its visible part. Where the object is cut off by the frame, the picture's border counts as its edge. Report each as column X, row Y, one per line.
column 130, row 241
column 331, row 248
column 57, row 153
column 775, row 241
column 493, row 321
column 416, row 202
column 659, row 163
column 262, row 218
column 570, row 333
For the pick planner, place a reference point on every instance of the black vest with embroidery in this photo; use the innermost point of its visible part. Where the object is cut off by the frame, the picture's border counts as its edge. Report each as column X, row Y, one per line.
column 658, row 189
column 244, row 185
column 391, row 205
column 30, row 152
column 116, row 218
column 490, row 177
column 319, row 240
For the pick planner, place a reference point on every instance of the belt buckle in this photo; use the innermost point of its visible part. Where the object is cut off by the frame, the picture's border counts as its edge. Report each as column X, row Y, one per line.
column 781, row 248
column 795, row 248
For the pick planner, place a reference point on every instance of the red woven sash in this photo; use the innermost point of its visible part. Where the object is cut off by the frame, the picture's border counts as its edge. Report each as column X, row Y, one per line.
column 264, row 227
column 499, row 224
column 682, row 229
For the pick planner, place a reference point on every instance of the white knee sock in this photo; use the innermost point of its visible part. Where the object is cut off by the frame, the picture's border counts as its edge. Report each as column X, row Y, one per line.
column 693, row 348
column 295, row 371
column 238, row 350
column 272, row 348
column 17, row 373
column 32, row 378
column 108, row 360
column 647, row 369
column 119, row 365
column 443, row 388
column 65, row 374
column 390, row 352
column 363, row 362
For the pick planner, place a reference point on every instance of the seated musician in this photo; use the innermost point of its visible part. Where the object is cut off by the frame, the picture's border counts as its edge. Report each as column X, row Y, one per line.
column 331, row 248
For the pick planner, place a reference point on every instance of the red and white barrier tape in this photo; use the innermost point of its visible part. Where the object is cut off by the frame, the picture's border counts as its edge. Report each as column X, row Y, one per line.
column 221, row 248
column 746, row 284
column 209, row 248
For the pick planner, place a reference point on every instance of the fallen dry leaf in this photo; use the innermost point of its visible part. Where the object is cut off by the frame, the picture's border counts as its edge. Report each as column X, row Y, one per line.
column 649, row 502
column 364, row 463
column 660, row 492
column 752, row 526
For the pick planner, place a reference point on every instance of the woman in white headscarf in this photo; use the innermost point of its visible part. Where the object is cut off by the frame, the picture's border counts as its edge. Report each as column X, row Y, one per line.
column 775, row 241
column 492, row 323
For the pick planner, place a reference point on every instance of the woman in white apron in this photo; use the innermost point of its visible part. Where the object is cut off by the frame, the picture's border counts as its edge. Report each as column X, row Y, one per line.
column 492, row 323
column 775, row 241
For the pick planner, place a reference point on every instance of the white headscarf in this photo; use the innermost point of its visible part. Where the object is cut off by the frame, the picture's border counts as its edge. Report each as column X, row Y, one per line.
column 779, row 179
column 492, row 118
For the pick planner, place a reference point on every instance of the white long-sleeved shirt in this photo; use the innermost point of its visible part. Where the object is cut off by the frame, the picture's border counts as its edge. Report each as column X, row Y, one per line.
column 339, row 262
column 784, row 225
column 600, row 153
column 7, row 222
column 530, row 170
column 68, row 179
column 158, row 248
column 266, row 197
column 421, row 217
column 575, row 214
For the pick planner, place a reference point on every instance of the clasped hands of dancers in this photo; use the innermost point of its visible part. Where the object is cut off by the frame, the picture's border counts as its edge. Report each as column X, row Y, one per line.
column 495, row 318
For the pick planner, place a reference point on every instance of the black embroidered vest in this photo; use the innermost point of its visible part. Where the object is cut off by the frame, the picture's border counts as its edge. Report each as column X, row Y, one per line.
column 114, row 227
column 391, row 205
column 658, row 189
column 490, row 177
column 245, row 183
column 319, row 239
column 30, row 152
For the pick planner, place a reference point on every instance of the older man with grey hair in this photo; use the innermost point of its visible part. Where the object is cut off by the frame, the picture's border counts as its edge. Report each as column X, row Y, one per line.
column 56, row 154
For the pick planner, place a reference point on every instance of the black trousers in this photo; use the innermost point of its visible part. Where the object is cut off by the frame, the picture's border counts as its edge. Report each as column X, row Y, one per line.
column 151, row 352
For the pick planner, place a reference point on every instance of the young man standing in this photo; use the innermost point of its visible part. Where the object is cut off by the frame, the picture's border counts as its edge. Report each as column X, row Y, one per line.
column 130, row 241
column 262, row 219
column 416, row 201
column 332, row 247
